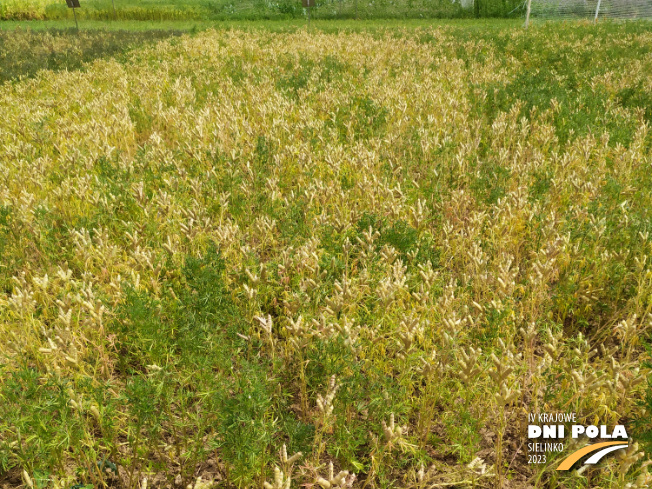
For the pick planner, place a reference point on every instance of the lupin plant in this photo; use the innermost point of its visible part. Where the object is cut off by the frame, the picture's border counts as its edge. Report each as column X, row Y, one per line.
column 232, row 241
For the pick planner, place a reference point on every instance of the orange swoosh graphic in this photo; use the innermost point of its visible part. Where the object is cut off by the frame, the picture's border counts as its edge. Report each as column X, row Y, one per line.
column 574, row 457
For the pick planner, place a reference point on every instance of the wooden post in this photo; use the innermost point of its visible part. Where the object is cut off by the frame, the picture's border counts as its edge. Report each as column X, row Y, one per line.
column 308, row 4
column 74, row 4
column 527, row 13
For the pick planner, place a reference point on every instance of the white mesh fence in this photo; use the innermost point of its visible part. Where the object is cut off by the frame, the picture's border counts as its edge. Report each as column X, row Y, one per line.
column 588, row 9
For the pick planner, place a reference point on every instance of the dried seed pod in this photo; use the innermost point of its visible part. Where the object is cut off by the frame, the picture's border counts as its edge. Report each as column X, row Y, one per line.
column 529, row 334
column 468, row 364
column 325, row 403
column 27, row 479
column 506, row 395
column 502, row 369
column 280, row 481
column 288, row 461
column 628, row 457
column 393, row 433
column 340, row 481
column 266, row 323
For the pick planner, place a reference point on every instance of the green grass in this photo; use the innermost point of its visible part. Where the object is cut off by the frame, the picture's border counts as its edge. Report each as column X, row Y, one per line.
column 486, row 26
column 252, row 9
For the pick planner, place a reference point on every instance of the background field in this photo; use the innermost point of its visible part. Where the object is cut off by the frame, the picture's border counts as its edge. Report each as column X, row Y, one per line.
column 379, row 246
column 161, row 10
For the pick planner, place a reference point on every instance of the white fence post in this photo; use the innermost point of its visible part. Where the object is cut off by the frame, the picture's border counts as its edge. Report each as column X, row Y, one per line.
column 597, row 11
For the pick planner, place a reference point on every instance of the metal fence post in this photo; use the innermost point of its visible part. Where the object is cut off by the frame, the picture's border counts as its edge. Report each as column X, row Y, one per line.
column 597, row 11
